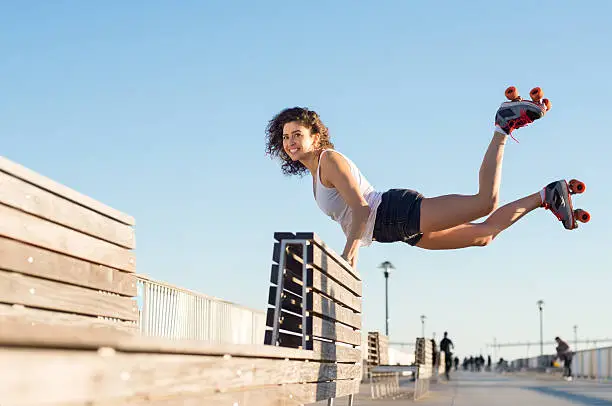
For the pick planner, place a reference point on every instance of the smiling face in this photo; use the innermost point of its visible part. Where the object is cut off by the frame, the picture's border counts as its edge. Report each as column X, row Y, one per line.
column 298, row 140
column 295, row 135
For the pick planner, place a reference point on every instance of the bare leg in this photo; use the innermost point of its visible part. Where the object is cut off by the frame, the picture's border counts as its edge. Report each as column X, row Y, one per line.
column 444, row 212
column 480, row 234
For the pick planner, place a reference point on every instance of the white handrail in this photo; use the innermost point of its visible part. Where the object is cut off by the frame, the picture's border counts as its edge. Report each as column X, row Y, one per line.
column 172, row 312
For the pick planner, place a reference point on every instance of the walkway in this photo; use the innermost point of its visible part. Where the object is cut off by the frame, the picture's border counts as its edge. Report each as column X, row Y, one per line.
column 484, row 389
column 487, row 389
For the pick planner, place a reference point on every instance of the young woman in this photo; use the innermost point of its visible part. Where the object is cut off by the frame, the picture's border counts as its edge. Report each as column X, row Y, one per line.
column 300, row 139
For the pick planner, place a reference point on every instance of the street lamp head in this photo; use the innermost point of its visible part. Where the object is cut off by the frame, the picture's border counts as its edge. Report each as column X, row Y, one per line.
column 540, row 304
column 423, row 317
column 386, row 265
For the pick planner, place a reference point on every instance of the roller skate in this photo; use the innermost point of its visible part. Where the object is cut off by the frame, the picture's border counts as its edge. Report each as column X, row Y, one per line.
column 517, row 112
column 557, row 199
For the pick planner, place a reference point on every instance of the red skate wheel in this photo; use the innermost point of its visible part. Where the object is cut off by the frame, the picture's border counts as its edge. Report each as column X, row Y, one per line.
column 512, row 93
column 576, row 186
column 582, row 216
column 536, row 94
column 547, row 104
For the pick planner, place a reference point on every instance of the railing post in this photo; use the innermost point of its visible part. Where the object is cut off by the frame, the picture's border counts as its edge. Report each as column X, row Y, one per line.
column 279, row 291
column 598, row 364
column 144, row 315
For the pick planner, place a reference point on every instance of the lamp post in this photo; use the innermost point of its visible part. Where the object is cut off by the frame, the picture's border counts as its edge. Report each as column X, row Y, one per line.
column 575, row 338
column 423, row 325
column 540, row 304
column 494, row 349
column 386, row 266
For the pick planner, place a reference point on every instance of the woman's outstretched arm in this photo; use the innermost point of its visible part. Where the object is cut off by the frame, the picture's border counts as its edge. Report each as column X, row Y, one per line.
column 336, row 171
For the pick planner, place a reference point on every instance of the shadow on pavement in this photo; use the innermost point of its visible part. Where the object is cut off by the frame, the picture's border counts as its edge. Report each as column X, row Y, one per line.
column 576, row 398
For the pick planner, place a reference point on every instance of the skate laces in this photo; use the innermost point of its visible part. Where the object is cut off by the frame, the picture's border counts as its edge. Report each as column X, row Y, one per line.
column 519, row 122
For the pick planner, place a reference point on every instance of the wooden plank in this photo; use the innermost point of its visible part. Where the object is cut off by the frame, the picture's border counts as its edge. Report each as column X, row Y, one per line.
column 333, row 331
column 316, row 326
column 325, row 307
column 286, row 395
column 19, row 314
column 287, row 321
column 330, row 252
column 24, row 227
column 105, row 376
column 319, row 259
column 318, row 280
column 60, row 336
column 321, row 350
column 295, row 251
column 328, row 351
column 291, row 282
column 319, row 305
column 16, row 256
column 289, row 301
column 43, row 182
column 287, row 340
column 45, row 294
column 24, row 196
column 64, row 337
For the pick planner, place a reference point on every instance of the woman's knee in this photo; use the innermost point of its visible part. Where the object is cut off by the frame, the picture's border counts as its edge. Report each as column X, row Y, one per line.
column 488, row 204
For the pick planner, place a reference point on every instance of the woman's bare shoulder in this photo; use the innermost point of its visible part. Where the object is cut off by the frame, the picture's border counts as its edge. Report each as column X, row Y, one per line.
column 333, row 163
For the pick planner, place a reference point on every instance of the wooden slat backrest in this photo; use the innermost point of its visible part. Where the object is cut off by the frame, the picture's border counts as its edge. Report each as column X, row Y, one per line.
column 43, row 213
column 379, row 344
column 56, row 188
column 424, row 357
column 22, row 315
column 332, row 297
column 62, row 251
column 22, row 258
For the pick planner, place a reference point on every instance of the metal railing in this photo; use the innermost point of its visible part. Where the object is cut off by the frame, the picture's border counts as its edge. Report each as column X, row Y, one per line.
column 384, row 384
column 593, row 363
column 172, row 312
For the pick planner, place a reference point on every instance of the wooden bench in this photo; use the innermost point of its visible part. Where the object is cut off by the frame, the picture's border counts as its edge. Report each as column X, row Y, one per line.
column 378, row 349
column 69, row 321
column 64, row 258
column 384, row 379
column 425, row 365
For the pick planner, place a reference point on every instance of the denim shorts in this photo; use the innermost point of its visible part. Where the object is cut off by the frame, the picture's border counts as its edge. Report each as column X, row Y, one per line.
column 398, row 217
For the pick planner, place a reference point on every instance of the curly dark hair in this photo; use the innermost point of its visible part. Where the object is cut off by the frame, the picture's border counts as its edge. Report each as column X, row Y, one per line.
column 274, row 136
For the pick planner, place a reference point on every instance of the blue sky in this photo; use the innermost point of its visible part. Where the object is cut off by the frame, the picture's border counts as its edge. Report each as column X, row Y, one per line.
column 159, row 108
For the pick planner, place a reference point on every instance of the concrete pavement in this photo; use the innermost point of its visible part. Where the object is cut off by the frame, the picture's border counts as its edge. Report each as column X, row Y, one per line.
column 485, row 389
column 488, row 389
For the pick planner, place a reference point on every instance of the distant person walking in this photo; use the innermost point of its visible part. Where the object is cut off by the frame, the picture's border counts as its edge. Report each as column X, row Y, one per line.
column 445, row 346
column 565, row 354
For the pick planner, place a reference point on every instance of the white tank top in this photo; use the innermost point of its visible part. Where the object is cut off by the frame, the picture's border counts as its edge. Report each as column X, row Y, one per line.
column 333, row 205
